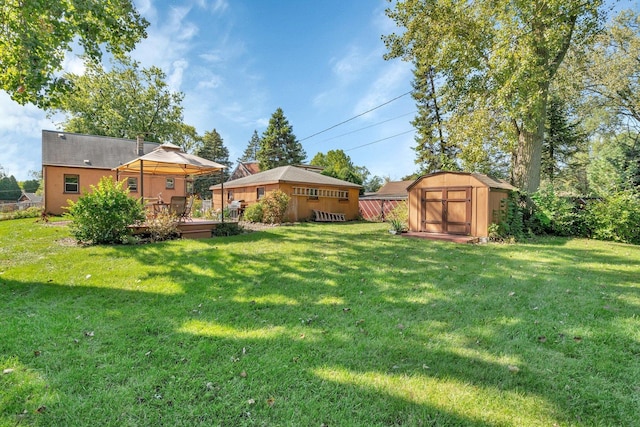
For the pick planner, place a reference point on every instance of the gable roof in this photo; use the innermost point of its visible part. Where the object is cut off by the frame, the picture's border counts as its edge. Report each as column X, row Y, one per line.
column 88, row 151
column 244, row 169
column 391, row 190
column 286, row 174
column 484, row 179
column 30, row 197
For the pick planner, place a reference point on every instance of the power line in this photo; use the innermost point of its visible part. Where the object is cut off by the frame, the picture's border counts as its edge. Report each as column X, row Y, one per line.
column 366, row 127
column 355, row 117
column 380, row 140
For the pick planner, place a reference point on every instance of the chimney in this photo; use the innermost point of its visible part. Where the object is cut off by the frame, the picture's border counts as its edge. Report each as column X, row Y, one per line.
column 140, row 145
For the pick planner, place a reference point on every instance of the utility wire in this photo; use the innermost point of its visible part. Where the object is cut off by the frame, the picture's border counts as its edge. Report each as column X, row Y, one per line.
column 380, row 140
column 355, row 117
column 363, row 128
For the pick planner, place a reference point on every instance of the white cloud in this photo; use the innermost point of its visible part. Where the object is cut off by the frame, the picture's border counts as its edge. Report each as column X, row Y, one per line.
column 177, row 72
column 388, row 85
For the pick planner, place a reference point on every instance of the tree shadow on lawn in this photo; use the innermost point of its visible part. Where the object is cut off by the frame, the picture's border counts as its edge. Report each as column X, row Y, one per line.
column 341, row 331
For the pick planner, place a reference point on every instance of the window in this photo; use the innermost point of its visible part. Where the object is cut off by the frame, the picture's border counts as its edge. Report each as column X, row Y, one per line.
column 170, row 184
column 72, row 183
column 132, row 184
column 230, row 195
column 259, row 193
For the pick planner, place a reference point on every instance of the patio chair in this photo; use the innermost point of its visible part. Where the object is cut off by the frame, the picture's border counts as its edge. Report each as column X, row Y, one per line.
column 177, row 206
column 186, row 214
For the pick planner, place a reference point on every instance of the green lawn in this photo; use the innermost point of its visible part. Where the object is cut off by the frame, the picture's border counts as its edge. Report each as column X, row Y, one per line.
column 317, row 324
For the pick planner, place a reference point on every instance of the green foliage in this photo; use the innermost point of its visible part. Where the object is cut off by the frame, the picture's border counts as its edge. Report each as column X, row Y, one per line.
column 31, row 185
column 254, row 213
column 492, row 77
column 616, row 217
column 398, row 218
column 125, row 102
column 251, row 152
column 339, row 165
column 9, row 189
column 278, row 145
column 102, row 216
column 163, row 226
column 32, row 212
column 227, row 229
column 274, row 207
column 556, row 215
column 212, row 148
column 36, row 35
column 509, row 222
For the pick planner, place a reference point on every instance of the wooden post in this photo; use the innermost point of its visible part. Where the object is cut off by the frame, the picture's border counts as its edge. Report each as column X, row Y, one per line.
column 221, row 195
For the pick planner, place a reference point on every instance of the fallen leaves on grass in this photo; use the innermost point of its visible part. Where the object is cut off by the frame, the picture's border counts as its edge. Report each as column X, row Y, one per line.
column 513, row 369
column 271, row 401
column 7, row 371
column 542, row 338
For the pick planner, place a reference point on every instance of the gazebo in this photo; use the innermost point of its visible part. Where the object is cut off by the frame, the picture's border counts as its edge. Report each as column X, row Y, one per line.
column 168, row 159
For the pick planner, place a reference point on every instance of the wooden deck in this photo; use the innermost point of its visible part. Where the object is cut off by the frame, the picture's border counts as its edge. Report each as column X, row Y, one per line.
column 193, row 229
column 455, row 238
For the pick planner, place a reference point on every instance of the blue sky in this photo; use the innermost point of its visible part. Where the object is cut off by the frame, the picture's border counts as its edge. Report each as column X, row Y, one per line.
column 238, row 61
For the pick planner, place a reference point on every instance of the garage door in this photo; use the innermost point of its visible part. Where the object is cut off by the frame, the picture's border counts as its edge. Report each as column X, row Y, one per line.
column 447, row 210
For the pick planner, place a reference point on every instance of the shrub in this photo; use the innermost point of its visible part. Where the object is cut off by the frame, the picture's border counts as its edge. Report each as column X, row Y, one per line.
column 163, row 226
column 509, row 222
column 253, row 213
column 32, row 212
column 104, row 214
column 227, row 229
column 556, row 215
column 616, row 217
column 399, row 217
column 274, row 206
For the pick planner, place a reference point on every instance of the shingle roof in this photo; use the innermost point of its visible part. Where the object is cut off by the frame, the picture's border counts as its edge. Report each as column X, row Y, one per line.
column 286, row 174
column 485, row 179
column 88, row 151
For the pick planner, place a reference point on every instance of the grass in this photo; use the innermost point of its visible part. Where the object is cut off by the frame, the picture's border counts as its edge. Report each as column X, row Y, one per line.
column 317, row 324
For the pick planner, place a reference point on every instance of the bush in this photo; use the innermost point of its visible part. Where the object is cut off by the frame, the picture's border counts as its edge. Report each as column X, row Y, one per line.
column 253, row 213
column 556, row 215
column 227, row 229
column 274, row 206
column 104, row 214
column 399, row 217
column 616, row 217
column 163, row 226
column 509, row 222
column 32, row 212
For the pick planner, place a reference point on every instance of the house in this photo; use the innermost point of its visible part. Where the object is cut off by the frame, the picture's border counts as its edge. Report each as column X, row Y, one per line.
column 376, row 206
column 245, row 169
column 28, row 200
column 308, row 190
column 456, row 203
column 72, row 162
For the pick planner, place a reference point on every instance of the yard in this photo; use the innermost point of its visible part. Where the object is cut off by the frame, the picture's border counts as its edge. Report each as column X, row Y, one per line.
column 316, row 324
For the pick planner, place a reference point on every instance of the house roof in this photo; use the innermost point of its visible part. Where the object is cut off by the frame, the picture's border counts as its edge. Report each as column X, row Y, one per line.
column 88, row 151
column 244, row 169
column 392, row 190
column 32, row 197
column 484, row 179
column 286, row 174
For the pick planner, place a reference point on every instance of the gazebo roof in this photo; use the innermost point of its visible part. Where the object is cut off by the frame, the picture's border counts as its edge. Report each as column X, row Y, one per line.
column 169, row 159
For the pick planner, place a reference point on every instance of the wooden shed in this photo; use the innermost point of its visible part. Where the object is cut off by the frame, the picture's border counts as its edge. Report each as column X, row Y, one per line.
column 456, row 203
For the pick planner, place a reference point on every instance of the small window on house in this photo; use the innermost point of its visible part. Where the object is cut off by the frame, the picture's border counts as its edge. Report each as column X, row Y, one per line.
column 132, row 184
column 230, row 195
column 259, row 193
column 170, row 184
column 72, row 183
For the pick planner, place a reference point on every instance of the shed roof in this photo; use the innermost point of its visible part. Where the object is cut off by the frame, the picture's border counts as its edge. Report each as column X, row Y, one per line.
column 286, row 174
column 88, row 151
column 31, row 197
column 484, row 179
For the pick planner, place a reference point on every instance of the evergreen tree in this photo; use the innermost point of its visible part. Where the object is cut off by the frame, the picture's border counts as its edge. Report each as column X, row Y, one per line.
column 251, row 152
column 9, row 189
column 562, row 143
column 212, row 148
column 279, row 146
column 433, row 152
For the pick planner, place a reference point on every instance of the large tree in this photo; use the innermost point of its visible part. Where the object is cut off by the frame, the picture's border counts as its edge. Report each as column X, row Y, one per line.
column 212, row 148
column 9, row 189
column 278, row 145
column 125, row 102
column 494, row 61
column 251, row 152
column 35, row 35
column 339, row 165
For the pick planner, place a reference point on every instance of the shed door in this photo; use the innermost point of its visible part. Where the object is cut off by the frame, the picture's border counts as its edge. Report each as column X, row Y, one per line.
column 447, row 210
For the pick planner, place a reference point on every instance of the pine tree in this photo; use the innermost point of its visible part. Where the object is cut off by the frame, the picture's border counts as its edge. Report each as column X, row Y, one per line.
column 9, row 189
column 251, row 152
column 562, row 142
column 279, row 146
column 433, row 152
column 212, row 148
